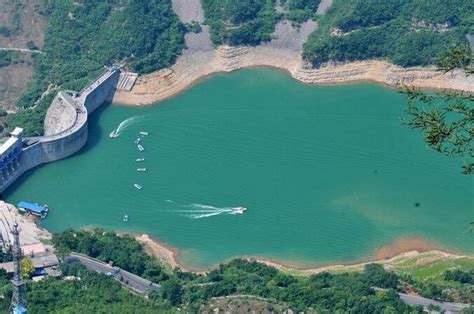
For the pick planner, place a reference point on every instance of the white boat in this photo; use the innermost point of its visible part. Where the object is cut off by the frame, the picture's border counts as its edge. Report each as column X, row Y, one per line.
column 113, row 134
column 125, row 218
column 239, row 210
column 140, row 147
column 140, row 159
column 141, row 169
column 137, row 141
column 144, row 133
column 138, row 186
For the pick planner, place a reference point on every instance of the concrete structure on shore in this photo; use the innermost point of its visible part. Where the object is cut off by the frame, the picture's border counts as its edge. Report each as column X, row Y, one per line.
column 65, row 129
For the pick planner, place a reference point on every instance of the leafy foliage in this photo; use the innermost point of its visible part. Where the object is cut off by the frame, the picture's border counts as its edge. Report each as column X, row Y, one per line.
column 240, row 22
column 300, row 11
column 9, row 58
column 460, row 276
column 408, row 33
column 31, row 119
column 26, row 267
column 123, row 251
column 89, row 293
column 446, row 119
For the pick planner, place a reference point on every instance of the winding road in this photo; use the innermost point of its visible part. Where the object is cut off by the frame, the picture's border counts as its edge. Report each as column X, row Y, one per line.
column 131, row 281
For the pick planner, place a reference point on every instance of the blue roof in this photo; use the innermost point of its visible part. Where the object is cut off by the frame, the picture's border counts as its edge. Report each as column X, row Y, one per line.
column 32, row 207
column 19, row 309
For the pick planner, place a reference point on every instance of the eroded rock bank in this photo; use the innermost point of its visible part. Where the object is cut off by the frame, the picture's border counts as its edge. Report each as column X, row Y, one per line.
column 201, row 59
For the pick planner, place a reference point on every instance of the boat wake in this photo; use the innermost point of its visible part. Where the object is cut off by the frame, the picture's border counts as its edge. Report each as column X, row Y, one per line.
column 200, row 211
column 125, row 124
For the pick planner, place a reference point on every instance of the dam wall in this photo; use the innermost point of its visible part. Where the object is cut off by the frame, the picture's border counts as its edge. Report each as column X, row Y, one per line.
column 66, row 128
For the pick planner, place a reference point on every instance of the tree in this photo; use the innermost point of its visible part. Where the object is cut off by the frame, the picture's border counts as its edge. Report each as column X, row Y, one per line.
column 446, row 119
column 171, row 290
column 26, row 267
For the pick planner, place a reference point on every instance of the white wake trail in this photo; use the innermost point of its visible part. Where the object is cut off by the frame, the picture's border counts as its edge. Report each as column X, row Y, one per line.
column 127, row 123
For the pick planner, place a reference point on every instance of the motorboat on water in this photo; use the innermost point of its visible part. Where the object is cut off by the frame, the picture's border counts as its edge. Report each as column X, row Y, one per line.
column 113, row 134
column 140, row 159
column 239, row 210
column 140, row 147
column 141, row 169
column 125, row 218
column 138, row 186
column 137, row 141
column 144, row 133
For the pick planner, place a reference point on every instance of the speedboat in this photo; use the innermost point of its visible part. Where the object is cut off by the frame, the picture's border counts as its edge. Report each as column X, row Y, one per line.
column 141, row 169
column 138, row 186
column 239, row 210
column 140, row 147
column 137, row 141
column 144, row 133
column 125, row 218
column 140, row 159
column 113, row 134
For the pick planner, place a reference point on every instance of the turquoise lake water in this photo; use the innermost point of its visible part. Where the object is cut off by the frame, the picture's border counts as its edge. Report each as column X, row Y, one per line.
column 328, row 174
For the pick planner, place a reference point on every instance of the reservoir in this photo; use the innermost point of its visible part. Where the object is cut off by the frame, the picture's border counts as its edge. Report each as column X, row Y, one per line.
column 327, row 174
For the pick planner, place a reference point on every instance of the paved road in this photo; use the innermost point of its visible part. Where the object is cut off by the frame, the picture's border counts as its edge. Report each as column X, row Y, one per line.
column 21, row 50
column 134, row 282
column 448, row 307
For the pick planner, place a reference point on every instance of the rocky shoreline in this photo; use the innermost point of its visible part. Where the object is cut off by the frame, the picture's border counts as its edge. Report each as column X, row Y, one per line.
column 166, row 83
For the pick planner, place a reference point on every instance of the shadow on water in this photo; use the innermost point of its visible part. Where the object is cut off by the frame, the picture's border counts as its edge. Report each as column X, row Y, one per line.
column 11, row 189
column 95, row 135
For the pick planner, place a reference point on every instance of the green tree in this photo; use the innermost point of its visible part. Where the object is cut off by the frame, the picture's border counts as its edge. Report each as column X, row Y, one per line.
column 446, row 119
column 172, row 290
column 26, row 267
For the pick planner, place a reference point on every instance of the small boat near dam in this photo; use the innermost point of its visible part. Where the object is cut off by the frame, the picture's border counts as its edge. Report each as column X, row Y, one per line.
column 144, row 133
column 137, row 141
column 138, row 186
column 141, row 169
column 125, row 218
column 140, row 159
column 113, row 134
column 140, row 148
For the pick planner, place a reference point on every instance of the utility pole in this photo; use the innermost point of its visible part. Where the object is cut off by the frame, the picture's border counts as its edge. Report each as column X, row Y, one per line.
column 18, row 305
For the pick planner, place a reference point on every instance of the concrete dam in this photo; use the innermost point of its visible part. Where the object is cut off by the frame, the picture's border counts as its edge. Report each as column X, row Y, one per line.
column 65, row 129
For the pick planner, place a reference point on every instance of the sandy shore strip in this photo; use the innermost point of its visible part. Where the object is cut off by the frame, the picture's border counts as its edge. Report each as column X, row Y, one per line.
column 389, row 256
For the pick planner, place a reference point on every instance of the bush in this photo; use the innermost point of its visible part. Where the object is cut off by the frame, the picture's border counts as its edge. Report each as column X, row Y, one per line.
column 407, row 33
column 240, row 22
column 460, row 276
column 193, row 27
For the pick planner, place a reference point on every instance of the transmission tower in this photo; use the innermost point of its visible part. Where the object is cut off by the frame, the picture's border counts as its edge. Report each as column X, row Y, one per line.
column 18, row 305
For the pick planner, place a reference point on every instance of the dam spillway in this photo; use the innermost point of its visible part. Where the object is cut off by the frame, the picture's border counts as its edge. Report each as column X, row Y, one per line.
column 66, row 129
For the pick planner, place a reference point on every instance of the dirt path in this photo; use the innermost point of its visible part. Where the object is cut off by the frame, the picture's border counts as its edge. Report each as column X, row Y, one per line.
column 21, row 50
